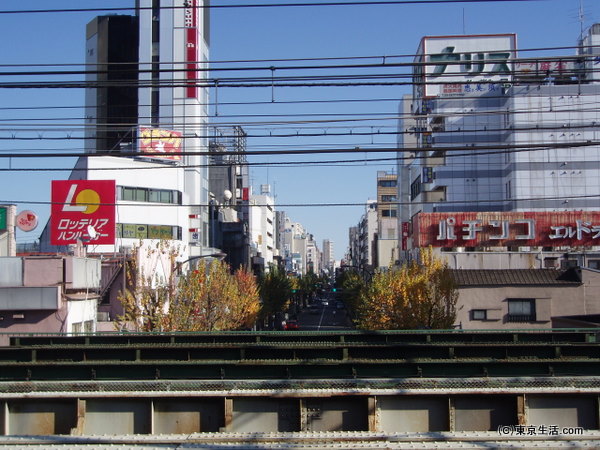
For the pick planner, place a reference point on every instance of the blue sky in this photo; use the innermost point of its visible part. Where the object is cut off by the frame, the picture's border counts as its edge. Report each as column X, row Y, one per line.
column 259, row 34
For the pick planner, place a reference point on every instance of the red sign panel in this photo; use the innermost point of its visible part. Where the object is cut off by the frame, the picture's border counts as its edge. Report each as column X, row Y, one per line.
column 504, row 229
column 83, row 210
column 191, row 47
column 405, row 234
column 162, row 143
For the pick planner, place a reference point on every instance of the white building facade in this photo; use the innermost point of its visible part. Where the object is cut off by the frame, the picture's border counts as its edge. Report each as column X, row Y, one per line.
column 162, row 184
column 261, row 226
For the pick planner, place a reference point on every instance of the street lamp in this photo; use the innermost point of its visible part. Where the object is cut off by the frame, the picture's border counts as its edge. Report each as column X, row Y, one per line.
column 218, row 256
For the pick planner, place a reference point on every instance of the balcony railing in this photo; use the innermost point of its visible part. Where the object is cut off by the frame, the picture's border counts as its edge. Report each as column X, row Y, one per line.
column 514, row 318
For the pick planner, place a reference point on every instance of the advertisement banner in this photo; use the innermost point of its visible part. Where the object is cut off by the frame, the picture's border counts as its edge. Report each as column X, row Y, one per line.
column 461, row 65
column 83, row 210
column 162, row 143
column 507, row 229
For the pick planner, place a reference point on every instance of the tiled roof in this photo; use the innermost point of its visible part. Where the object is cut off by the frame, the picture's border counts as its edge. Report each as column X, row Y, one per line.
column 516, row 277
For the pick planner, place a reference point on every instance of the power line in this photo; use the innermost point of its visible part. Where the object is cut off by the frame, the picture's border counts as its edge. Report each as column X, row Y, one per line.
column 448, row 149
column 337, row 162
column 321, row 204
column 205, row 5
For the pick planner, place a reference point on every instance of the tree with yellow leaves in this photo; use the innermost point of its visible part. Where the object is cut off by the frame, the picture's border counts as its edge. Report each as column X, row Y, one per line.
column 416, row 296
column 209, row 298
column 149, row 274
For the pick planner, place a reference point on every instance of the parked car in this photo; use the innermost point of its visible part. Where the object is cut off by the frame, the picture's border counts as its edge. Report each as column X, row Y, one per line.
column 291, row 325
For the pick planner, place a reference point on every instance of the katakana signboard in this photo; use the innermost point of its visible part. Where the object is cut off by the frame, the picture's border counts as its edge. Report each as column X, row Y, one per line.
column 494, row 229
column 463, row 65
column 83, row 210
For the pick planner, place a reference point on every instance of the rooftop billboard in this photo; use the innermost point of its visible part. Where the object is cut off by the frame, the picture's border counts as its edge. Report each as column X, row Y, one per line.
column 161, row 143
column 460, row 65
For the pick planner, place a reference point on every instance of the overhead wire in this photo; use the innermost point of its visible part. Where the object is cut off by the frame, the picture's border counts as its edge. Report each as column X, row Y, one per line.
column 206, row 5
column 321, row 204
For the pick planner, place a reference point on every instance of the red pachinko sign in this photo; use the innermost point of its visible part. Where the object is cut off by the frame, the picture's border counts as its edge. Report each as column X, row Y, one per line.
column 505, row 229
column 83, row 210
column 162, row 143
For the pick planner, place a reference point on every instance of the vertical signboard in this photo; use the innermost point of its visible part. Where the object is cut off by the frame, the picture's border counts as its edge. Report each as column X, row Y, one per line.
column 83, row 210
column 405, row 235
column 3, row 213
column 191, row 47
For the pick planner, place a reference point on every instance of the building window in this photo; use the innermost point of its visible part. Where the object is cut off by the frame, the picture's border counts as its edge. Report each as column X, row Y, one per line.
column 387, row 183
column 146, row 231
column 388, row 213
column 388, row 198
column 415, row 188
column 88, row 326
column 521, row 310
column 136, row 194
column 594, row 264
column 478, row 314
column 550, row 263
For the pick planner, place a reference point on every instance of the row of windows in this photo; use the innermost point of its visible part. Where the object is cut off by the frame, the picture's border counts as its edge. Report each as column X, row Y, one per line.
column 148, row 195
column 387, row 183
column 143, row 231
column 519, row 310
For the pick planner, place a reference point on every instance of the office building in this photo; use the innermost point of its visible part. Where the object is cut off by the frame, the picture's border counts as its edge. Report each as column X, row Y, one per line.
column 501, row 154
column 146, row 107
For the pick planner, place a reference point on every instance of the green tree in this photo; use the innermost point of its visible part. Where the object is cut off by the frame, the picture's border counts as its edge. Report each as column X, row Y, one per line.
column 309, row 284
column 415, row 296
column 350, row 285
column 275, row 289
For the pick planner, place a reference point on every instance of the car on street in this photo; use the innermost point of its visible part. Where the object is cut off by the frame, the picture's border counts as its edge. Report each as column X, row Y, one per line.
column 291, row 325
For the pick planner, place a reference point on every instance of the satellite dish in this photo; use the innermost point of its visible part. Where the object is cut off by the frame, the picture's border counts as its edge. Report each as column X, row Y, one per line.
column 227, row 195
column 91, row 231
